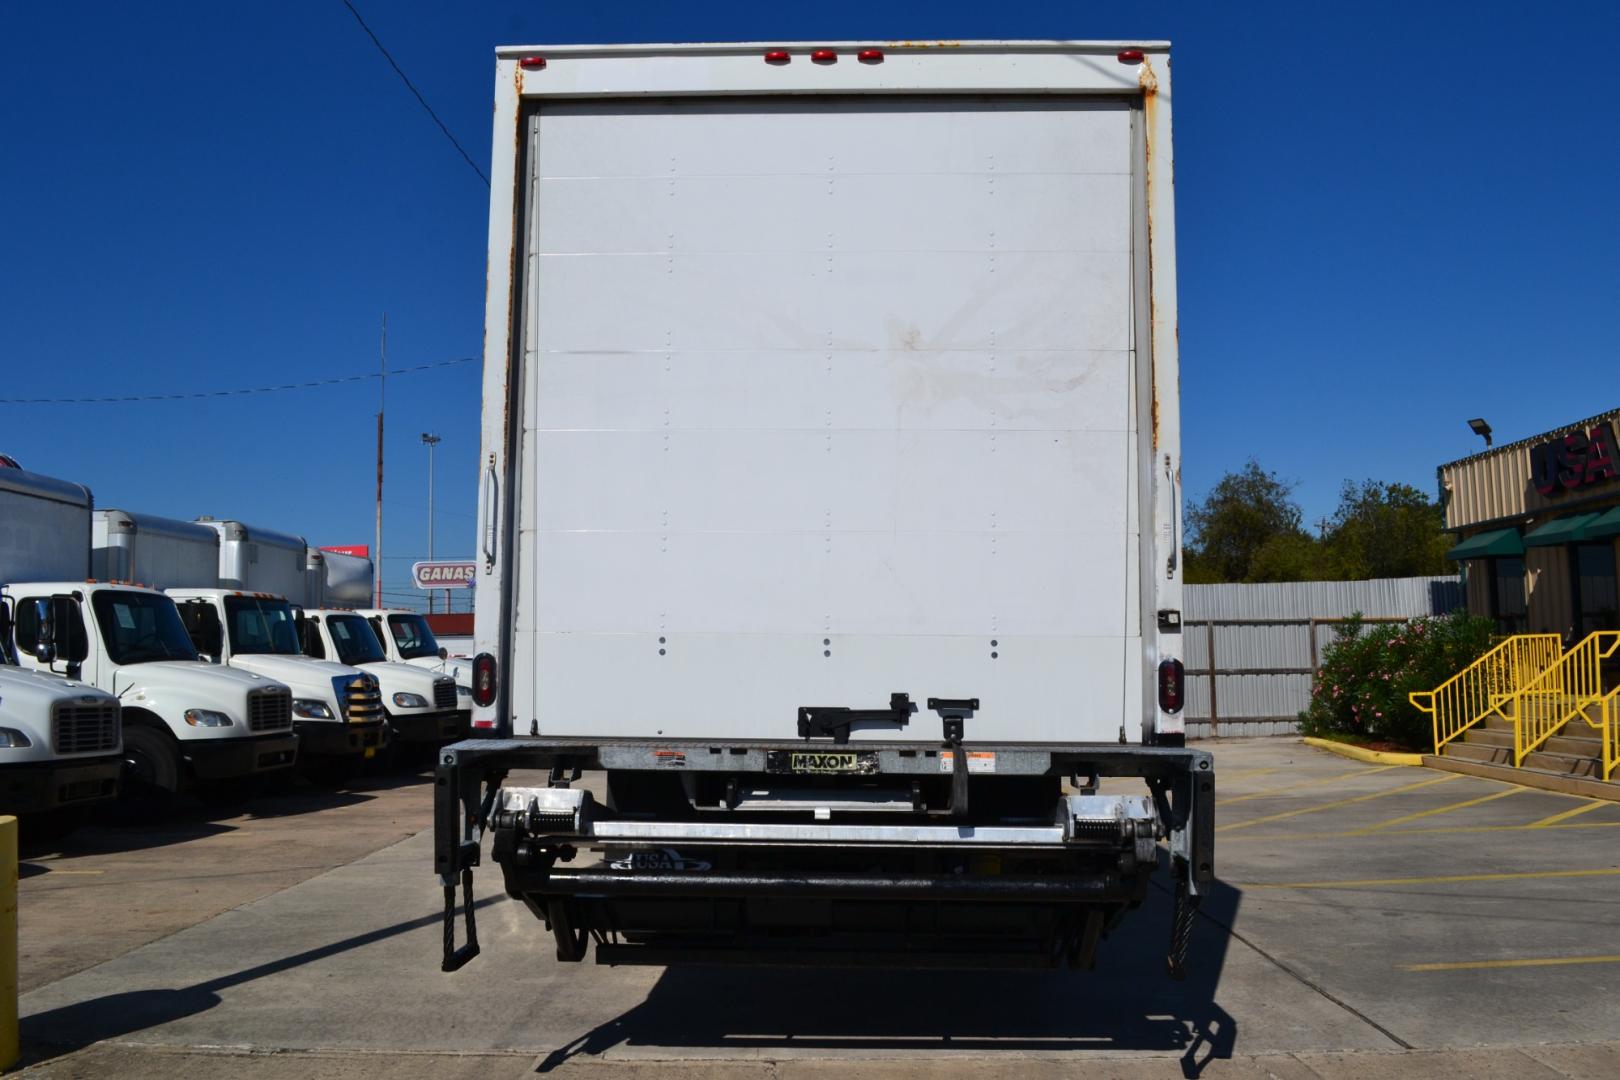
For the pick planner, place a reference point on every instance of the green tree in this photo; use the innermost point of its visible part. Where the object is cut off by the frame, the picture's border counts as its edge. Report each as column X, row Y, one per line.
column 1243, row 513
column 1384, row 530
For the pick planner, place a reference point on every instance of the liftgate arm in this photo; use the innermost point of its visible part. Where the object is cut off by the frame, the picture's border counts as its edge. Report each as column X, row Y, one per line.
column 460, row 816
column 1186, row 804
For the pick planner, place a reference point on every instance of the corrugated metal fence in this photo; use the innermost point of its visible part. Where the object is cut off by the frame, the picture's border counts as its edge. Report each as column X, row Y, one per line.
column 1268, row 639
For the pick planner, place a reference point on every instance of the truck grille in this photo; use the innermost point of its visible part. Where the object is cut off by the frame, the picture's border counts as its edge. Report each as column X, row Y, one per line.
column 84, row 728
column 269, row 710
column 444, row 693
column 362, row 700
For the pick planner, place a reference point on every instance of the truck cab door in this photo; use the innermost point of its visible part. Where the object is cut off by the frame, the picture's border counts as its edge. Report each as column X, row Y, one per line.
column 202, row 624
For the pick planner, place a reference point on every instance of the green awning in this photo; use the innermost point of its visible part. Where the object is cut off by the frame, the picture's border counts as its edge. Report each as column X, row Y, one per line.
column 1604, row 525
column 1563, row 530
column 1486, row 544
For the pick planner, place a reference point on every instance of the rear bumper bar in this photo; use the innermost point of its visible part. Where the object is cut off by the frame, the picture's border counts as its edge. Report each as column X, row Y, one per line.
column 469, row 798
column 840, row 886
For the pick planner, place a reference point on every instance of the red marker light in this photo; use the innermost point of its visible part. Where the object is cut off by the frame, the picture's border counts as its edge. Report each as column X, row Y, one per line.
column 870, row 56
column 483, row 680
column 532, row 63
column 1172, row 685
column 1130, row 56
column 824, row 56
column 777, row 56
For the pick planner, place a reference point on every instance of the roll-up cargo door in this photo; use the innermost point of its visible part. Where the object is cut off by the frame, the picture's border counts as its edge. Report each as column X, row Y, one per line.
column 826, row 399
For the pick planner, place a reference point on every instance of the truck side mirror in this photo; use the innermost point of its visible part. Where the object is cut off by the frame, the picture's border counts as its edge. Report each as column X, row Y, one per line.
column 45, row 629
column 202, row 624
column 444, row 653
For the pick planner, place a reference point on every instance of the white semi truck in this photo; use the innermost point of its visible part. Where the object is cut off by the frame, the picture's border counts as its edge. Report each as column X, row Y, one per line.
column 420, row 706
column 830, row 507
column 183, row 721
column 407, row 638
column 60, row 742
column 241, row 618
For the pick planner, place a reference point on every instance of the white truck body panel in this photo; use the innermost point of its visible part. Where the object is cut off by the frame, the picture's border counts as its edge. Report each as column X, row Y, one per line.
column 347, row 581
column 44, row 528
column 259, row 560
column 806, row 384
column 155, row 551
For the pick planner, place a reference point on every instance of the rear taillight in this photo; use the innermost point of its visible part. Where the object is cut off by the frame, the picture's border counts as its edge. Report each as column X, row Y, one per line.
column 483, row 679
column 1172, row 685
column 1129, row 56
column 532, row 63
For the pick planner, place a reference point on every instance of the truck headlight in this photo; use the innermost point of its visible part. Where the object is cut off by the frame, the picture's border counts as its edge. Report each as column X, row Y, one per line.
column 206, row 718
column 311, row 709
column 11, row 738
column 410, row 701
column 463, row 691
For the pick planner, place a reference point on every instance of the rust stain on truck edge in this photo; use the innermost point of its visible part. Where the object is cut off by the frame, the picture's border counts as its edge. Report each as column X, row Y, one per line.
column 1149, row 83
column 511, row 257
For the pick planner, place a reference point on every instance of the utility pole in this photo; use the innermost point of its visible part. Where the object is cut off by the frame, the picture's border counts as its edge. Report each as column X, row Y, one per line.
column 430, row 440
column 382, row 393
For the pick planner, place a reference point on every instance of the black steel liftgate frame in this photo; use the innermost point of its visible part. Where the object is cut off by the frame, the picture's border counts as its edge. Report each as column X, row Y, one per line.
column 469, row 775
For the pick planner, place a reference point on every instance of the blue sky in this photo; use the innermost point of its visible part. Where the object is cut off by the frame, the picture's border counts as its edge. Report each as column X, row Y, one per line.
column 1391, row 218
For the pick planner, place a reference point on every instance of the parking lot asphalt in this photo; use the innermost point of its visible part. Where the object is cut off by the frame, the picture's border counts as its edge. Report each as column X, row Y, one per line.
column 1370, row 921
column 117, row 884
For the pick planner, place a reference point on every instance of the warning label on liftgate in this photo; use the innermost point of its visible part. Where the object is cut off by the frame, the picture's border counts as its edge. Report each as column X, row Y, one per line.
column 977, row 761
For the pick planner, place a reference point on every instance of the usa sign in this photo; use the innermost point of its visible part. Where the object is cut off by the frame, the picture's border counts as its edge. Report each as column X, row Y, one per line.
column 443, row 575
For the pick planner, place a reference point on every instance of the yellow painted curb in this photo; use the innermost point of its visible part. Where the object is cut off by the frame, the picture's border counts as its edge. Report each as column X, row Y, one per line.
column 1376, row 757
column 8, row 942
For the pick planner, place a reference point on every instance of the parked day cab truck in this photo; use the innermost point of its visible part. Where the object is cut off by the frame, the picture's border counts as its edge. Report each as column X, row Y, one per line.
column 235, row 628
column 419, row 705
column 183, row 721
column 248, row 623
column 830, row 507
column 408, row 639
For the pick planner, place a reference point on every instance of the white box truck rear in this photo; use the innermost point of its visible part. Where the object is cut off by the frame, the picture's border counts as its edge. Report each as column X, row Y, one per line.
column 830, row 504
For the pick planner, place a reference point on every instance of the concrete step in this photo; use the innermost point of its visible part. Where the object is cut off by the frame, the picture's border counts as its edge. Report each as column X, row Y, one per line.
column 1581, row 745
column 1535, row 778
column 1568, row 764
column 1472, row 751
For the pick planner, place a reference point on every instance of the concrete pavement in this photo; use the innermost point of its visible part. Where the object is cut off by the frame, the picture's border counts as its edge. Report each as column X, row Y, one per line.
column 1375, row 921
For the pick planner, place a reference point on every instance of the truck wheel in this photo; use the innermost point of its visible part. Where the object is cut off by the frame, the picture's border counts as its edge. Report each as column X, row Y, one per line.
column 151, row 777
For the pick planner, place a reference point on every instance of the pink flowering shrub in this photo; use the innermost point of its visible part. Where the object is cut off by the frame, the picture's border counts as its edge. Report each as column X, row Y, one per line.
column 1369, row 669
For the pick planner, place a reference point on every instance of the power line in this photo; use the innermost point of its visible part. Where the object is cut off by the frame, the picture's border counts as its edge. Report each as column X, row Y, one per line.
column 406, row 79
column 233, row 393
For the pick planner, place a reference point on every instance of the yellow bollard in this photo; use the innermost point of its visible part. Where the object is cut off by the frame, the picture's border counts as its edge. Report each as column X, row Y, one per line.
column 9, row 1047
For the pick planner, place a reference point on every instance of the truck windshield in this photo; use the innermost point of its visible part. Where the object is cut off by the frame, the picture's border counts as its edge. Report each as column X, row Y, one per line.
column 140, row 627
column 413, row 637
column 259, row 625
column 353, row 640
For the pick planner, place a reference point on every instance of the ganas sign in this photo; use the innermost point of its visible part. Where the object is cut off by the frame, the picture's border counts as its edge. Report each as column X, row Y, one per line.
column 443, row 575
column 1574, row 461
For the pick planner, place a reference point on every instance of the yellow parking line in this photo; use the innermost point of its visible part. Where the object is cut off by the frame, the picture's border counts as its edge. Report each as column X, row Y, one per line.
column 1431, row 831
column 1479, row 965
column 1340, row 802
column 1544, row 822
column 1310, row 783
column 1442, row 809
column 1244, row 774
column 1444, row 879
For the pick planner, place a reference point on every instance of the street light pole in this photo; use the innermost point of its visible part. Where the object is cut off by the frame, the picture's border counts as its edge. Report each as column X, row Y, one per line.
column 430, row 440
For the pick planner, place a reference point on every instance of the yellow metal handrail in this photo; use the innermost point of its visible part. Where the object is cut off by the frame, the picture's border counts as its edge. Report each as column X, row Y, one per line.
column 1608, row 725
column 1474, row 692
column 1564, row 691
